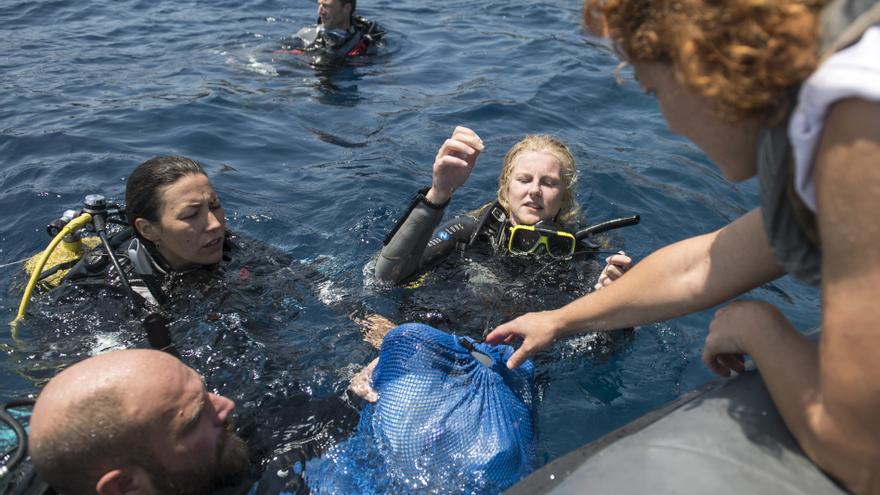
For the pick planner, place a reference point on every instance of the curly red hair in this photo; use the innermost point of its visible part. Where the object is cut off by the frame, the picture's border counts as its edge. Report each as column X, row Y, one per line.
column 745, row 55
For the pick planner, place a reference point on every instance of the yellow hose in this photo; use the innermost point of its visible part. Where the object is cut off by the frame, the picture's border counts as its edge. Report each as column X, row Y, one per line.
column 75, row 224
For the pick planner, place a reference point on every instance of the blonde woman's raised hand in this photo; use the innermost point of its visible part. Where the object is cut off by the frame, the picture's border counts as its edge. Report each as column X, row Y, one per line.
column 454, row 162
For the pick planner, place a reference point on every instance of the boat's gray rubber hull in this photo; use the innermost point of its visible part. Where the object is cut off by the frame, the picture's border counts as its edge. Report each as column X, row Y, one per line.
column 725, row 438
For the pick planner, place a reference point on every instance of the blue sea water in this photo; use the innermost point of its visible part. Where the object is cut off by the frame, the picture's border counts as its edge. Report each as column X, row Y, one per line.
column 319, row 162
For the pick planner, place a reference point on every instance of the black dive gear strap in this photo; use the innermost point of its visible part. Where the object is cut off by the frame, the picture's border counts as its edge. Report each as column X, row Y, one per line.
column 354, row 41
column 138, row 260
column 155, row 325
column 490, row 222
column 419, row 197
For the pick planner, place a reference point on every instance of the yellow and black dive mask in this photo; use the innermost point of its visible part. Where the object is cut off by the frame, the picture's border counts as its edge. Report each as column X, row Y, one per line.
column 526, row 239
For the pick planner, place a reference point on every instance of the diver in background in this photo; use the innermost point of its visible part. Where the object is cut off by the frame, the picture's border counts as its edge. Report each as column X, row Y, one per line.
column 535, row 211
column 338, row 31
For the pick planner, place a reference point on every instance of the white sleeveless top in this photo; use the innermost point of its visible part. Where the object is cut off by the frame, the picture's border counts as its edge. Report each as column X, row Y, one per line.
column 853, row 72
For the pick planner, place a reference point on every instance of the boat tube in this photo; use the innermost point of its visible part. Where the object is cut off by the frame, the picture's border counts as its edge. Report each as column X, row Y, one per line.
column 723, row 438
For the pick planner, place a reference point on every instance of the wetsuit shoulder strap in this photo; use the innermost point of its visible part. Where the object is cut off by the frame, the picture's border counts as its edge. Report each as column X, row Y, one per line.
column 370, row 29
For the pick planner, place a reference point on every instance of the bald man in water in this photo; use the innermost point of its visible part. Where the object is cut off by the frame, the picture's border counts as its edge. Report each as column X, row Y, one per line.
column 134, row 422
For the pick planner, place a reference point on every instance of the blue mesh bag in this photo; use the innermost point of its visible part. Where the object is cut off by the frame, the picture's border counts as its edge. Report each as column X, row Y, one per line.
column 444, row 422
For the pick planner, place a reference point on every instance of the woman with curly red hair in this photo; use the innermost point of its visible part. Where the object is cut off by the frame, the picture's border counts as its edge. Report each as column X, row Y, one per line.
column 788, row 91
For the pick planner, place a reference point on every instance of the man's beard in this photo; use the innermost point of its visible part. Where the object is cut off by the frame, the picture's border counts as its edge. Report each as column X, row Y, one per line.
column 229, row 468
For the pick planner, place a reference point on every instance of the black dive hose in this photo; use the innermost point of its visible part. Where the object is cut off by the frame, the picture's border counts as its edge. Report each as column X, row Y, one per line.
column 158, row 335
column 21, row 435
column 155, row 324
column 122, row 278
column 607, row 225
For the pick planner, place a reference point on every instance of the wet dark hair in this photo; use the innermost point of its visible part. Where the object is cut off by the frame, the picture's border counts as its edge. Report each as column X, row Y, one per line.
column 143, row 189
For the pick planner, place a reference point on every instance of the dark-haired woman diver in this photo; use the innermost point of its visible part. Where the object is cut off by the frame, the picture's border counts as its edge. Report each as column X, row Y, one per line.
column 177, row 227
column 231, row 303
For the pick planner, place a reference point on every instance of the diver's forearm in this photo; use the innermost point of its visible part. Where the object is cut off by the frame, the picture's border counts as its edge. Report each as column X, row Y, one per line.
column 401, row 257
column 690, row 275
column 656, row 289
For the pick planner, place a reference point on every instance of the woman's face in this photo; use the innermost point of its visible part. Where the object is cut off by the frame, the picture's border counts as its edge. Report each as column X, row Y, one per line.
column 732, row 146
column 534, row 189
column 191, row 224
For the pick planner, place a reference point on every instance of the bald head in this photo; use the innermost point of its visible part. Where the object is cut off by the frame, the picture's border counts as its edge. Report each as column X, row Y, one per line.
column 94, row 416
column 113, row 374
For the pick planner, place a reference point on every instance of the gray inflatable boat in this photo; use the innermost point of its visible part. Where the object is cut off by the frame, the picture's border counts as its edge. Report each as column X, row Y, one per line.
column 723, row 438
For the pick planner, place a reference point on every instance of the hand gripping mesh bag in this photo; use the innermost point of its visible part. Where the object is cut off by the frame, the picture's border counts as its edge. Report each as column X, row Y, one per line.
column 444, row 421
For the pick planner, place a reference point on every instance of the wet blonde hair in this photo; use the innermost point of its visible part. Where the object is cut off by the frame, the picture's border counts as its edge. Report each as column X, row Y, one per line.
column 745, row 55
column 569, row 211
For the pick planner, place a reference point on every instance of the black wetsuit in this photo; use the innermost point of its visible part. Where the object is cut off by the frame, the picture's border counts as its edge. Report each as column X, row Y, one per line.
column 147, row 272
column 418, row 241
column 257, row 326
column 358, row 39
column 466, row 281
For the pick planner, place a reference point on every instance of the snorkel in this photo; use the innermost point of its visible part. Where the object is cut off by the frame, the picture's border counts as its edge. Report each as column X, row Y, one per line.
column 606, row 226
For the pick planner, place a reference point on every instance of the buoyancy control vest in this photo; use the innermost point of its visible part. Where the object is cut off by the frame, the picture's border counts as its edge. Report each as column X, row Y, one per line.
column 352, row 42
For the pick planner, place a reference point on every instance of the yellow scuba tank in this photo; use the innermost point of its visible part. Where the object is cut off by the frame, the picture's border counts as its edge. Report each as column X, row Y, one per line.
column 59, row 229
column 64, row 256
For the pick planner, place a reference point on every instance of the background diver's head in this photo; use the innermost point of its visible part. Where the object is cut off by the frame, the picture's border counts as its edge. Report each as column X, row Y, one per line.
column 134, row 421
column 336, row 14
column 537, row 181
column 719, row 70
column 172, row 206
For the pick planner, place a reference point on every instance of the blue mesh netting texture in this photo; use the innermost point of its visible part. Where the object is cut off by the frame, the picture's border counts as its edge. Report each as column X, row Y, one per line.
column 444, row 422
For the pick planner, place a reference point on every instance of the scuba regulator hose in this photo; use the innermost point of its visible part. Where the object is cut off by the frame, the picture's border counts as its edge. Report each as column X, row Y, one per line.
column 155, row 324
column 122, row 278
column 75, row 224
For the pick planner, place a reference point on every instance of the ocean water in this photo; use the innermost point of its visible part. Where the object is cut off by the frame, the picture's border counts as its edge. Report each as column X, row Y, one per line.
column 319, row 162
